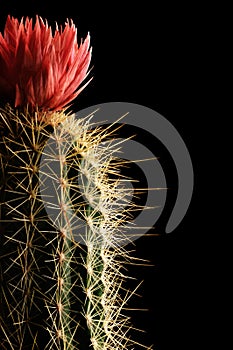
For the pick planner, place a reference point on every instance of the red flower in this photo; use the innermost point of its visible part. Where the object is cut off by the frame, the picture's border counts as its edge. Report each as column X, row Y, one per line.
column 40, row 69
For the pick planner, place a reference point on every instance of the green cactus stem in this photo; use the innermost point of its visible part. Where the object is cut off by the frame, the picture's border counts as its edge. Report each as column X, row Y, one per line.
column 63, row 210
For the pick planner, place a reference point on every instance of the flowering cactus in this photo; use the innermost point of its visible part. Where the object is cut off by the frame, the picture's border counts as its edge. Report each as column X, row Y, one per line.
column 56, row 293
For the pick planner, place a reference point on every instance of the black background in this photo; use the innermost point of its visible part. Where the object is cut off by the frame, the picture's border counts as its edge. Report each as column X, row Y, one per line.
column 153, row 56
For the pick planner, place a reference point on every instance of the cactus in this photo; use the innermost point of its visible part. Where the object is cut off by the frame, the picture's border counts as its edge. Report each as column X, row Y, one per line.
column 39, row 269
column 62, row 243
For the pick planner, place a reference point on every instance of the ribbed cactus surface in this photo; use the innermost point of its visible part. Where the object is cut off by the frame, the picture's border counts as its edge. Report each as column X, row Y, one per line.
column 62, row 252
